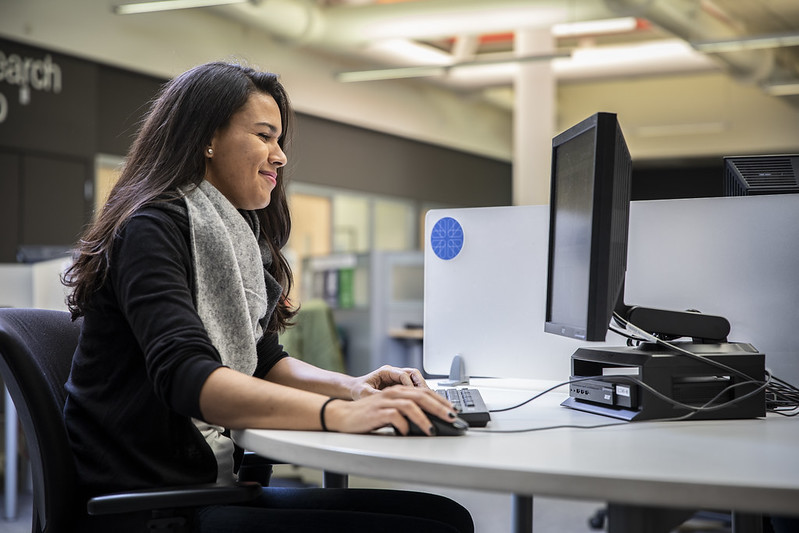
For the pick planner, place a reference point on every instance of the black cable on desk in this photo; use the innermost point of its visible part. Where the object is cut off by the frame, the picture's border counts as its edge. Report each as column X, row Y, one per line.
column 708, row 406
column 784, row 395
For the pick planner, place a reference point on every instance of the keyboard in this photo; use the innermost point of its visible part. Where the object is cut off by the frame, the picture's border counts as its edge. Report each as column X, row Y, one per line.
column 471, row 407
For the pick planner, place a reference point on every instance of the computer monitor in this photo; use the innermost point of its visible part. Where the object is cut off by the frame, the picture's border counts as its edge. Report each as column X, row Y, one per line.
column 589, row 218
column 587, row 264
column 588, row 231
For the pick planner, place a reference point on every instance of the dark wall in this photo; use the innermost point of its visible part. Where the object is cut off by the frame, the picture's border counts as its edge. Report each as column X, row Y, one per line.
column 122, row 100
column 48, row 102
column 684, row 178
column 9, row 205
column 335, row 154
column 43, row 203
column 48, row 120
column 57, row 112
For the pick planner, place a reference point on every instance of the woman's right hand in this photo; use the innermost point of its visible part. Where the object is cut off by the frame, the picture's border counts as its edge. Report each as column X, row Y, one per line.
column 388, row 407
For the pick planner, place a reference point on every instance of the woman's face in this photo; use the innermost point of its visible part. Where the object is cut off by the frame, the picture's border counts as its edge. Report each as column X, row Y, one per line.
column 243, row 157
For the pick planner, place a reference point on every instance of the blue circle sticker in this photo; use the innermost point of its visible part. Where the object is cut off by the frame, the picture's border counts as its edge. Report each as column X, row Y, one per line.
column 446, row 238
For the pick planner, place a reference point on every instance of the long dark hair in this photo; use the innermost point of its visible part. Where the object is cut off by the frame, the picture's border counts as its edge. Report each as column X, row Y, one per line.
column 167, row 154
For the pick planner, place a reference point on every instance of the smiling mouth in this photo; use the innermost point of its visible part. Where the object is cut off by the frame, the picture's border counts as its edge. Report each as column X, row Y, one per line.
column 271, row 176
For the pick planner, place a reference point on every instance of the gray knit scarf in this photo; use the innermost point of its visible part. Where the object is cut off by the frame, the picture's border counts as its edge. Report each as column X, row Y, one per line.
column 234, row 294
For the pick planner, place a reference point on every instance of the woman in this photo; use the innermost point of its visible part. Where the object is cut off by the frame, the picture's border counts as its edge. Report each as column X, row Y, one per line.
column 182, row 286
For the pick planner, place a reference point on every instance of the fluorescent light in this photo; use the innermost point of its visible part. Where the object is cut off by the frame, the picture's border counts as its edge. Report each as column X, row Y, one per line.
column 423, row 71
column 672, row 55
column 475, row 18
column 608, row 55
column 391, row 73
column 490, row 74
column 168, row 5
column 642, row 59
column 748, row 43
column 595, row 27
column 409, row 52
column 782, row 89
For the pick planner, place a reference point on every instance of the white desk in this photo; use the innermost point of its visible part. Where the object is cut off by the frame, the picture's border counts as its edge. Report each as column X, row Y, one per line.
column 749, row 466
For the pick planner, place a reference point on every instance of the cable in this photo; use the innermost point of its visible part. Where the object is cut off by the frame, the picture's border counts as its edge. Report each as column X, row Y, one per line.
column 778, row 412
column 709, row 405
column 790, row 392
column 546, row 428
column 785, row 395
column 651, row 338
column 624, row 334
column 692, row 408
column 525, row 402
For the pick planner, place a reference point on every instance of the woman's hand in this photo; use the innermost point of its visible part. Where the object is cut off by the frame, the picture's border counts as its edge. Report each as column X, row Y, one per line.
column 386, row 376
column 389, row 408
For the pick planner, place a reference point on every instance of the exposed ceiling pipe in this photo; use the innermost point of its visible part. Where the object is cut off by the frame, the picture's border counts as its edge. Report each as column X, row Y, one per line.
column 349, row 29
column 359, row 30
column 693, row 22
column 348, row 26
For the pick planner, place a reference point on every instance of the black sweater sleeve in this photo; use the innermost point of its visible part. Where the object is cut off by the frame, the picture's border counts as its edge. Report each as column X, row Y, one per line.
column 141, row 362
column 151, row 276
column 270, row 351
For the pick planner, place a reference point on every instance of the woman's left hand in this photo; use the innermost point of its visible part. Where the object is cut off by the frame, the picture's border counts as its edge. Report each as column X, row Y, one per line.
column 386, row 376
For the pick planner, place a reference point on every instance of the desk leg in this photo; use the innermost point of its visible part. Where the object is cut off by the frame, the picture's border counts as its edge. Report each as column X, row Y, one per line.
column 331, row 480
column 642, row 519
column 747, row 523
column 522, row 513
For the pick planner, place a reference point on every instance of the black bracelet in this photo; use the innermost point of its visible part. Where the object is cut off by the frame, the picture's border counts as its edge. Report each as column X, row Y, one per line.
column 322, row 413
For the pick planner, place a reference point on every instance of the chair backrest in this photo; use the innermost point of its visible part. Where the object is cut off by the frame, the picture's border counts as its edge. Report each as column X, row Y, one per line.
column 36, row 349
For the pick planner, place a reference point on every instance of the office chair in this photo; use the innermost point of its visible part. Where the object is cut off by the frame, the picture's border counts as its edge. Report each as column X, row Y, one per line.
column 36, row 348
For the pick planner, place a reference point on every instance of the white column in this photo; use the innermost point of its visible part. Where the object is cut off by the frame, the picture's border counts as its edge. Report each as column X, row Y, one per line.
column 534, row 118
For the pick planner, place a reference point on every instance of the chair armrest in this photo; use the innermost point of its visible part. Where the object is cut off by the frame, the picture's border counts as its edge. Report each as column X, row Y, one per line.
column 171, row 497
column 256, row 468
column 253, row 459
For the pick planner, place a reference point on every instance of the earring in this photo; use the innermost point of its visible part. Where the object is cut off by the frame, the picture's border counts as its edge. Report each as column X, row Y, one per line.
column 210, row 151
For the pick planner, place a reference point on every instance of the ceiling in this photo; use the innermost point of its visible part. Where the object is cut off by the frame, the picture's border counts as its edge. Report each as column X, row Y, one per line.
column 468, row 45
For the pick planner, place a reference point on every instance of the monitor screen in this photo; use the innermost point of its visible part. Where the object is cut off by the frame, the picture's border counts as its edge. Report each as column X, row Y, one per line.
column 589, row 214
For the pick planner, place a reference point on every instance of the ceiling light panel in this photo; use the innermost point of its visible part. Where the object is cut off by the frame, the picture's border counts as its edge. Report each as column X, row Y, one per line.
column 169, row 5
column 409, row 52
column 595, row 27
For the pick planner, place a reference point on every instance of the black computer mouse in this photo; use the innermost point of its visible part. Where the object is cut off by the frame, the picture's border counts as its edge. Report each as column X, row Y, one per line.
column 442, row 428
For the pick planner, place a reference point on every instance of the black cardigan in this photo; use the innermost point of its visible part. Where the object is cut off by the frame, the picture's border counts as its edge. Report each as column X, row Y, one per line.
column 141, row 361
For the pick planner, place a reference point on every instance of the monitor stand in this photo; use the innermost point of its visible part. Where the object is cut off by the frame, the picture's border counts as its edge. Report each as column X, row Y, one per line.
column 457, row 373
